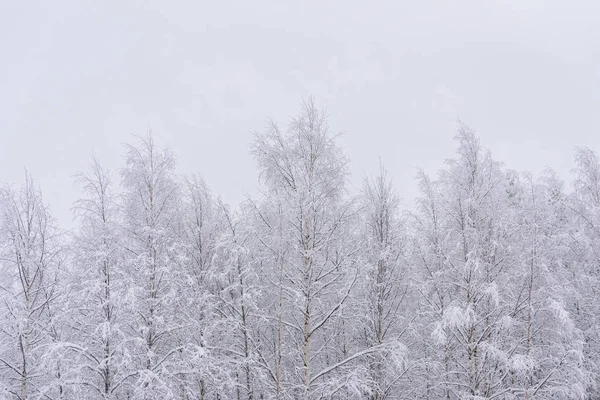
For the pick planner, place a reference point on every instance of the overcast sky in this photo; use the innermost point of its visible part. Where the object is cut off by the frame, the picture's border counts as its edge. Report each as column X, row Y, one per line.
column 83, row 76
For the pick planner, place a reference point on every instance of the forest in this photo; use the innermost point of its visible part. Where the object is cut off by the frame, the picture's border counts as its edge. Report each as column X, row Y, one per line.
column 488, row 288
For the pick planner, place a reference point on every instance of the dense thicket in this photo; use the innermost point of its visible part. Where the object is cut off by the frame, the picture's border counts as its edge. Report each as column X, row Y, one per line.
column 488, row 289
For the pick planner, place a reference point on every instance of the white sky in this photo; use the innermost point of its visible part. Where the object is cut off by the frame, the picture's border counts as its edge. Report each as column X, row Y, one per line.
column 83, row 76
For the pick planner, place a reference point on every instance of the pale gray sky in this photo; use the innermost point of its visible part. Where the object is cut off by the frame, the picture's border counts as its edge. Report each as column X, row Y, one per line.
column 83, row 76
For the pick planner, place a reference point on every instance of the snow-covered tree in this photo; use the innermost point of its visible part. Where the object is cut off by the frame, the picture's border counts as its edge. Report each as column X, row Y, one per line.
column 384, row 309
column 205, row 372
column 311, row 267
column 584, row 206
column 151, row 207
column 30, row 263
column 235, row 290
column 547, row 360
column 464, row 254
column 98, row 328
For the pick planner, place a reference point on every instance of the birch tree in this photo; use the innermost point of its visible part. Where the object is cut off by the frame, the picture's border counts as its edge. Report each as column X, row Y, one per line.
column 306, row 171
column 30, row 261
column 584, row 206
column 151, row 221
column 234, row 284
column 97, row 318
column 205, row 372
column 467, row 232
column 385, row 294
column 548, row 360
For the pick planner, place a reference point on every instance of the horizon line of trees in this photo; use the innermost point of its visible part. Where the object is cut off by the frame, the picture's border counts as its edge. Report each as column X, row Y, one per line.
column 489, row 289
